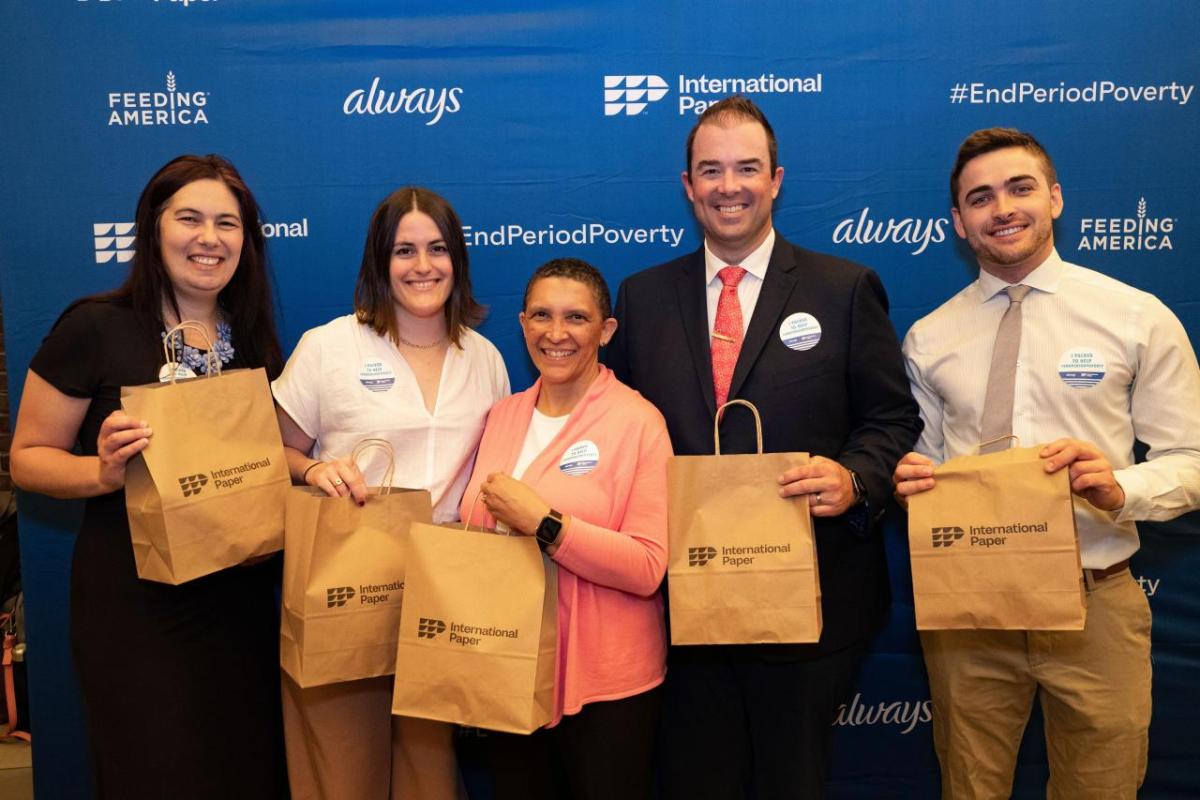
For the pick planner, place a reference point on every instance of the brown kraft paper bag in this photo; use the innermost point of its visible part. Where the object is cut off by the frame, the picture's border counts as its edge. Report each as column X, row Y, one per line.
column 742, row 564
column 209, row 491
column 343, row 579
column 994, row 546
column 478, row 630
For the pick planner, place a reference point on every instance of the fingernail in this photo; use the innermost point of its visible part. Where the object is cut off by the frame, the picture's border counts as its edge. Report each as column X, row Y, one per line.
column 362, row 503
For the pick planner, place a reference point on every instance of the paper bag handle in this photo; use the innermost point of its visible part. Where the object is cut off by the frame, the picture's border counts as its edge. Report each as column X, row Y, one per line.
column 979, row 447
column 466, row 523
column 717, row 424
column 212, row 360
column 385, row 446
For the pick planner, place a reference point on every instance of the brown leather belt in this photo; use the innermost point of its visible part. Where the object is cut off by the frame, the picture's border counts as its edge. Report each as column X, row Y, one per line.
column 1094, row 576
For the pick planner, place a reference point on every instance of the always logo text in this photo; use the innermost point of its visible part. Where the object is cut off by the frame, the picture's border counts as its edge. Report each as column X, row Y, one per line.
column 909, row 230
column 428, row 101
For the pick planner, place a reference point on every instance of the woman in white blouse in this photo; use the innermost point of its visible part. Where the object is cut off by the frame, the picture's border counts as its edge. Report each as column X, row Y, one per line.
column 406, row 367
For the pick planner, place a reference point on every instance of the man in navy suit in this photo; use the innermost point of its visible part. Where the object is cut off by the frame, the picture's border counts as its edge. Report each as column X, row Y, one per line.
column 807, row 339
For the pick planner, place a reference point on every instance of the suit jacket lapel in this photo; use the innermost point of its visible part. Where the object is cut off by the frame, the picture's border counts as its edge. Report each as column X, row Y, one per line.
column 777, row 287
column 693, row 310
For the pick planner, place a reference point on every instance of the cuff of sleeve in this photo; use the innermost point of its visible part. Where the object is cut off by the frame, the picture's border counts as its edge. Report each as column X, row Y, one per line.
column 1137, row 496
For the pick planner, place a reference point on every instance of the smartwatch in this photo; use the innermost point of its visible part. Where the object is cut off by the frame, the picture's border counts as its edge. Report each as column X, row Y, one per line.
column 549, row 529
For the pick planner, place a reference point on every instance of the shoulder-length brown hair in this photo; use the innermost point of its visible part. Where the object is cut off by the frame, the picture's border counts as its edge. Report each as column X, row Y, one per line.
column 245, row 302
column 374, row 303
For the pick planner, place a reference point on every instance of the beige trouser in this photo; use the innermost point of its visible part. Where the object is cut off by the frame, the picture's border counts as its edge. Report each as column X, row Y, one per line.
column 1094, row 687
column 344, row 744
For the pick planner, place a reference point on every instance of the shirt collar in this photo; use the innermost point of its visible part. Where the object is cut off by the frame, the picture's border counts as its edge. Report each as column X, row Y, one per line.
column 755, row 263
column 1045, row 278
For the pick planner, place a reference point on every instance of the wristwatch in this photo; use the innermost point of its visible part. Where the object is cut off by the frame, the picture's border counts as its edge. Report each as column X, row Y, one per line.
column 860, row 492
column 549, row 529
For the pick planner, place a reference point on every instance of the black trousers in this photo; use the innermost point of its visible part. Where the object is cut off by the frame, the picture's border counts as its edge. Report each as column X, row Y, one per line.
column 605, row 752
column 736, row 726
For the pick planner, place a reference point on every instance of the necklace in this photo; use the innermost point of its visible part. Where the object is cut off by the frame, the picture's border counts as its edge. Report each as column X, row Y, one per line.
column 429, row 346
column 194, row 358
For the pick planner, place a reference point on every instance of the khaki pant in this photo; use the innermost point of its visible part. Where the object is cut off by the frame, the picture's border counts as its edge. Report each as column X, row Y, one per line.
column 344, row 744
column 1094, row 686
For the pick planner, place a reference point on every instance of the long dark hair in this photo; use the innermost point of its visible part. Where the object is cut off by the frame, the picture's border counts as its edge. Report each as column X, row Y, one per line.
column 373, row 301
column 245, row 301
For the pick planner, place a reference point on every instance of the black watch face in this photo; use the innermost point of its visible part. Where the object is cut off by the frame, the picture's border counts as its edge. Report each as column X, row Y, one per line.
column 548, row 530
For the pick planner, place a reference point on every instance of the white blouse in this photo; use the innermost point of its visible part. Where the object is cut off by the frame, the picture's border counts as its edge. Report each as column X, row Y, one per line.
column 345, row 383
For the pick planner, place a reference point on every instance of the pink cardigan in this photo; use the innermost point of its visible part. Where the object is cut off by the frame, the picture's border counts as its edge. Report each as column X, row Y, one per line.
column 612, row 554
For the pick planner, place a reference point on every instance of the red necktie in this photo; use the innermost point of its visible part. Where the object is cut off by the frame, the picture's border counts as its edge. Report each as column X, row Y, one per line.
column 727, row 332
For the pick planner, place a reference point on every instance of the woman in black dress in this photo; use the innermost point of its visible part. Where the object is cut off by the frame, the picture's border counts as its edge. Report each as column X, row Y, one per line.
column 180, row 683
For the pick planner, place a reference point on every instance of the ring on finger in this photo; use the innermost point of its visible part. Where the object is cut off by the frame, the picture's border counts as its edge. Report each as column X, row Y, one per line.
column 818, row 499
column 338, row 481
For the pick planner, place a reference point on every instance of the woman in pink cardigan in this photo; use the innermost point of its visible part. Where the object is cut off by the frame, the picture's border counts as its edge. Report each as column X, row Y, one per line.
column 579, row 460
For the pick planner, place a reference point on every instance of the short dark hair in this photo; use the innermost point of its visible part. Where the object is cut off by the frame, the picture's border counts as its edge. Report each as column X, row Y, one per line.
column 373, row 300
column 576, row 270
column 736, row 108
column 989, row 139
column 245, row 302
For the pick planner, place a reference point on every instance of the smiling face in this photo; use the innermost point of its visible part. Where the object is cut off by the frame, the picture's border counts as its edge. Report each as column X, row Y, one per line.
column 564, row 331
column 200, row 231
column 731, row 186
column 1006, row 210
column 420, row 270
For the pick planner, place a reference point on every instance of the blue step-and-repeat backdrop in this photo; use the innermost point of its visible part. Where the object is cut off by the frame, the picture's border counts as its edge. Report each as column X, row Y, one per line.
column 558, row 128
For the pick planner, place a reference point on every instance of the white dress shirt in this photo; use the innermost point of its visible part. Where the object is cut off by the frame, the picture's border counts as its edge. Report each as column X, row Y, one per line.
column 755, row 265
column 1099, row 361
column 344, row 383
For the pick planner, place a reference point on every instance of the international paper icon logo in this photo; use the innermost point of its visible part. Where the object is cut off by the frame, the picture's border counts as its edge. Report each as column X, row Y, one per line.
column 699, row 556
column 428, row 628
column 113, row 240
column 631, row 93
column 338, row 596
column 192, row 484
column 944, row 537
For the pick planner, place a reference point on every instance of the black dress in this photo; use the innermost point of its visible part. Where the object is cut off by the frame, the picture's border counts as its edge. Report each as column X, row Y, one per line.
column 180, row 683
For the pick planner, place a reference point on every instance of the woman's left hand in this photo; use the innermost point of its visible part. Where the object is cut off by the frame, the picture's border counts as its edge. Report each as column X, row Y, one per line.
column 514, row 503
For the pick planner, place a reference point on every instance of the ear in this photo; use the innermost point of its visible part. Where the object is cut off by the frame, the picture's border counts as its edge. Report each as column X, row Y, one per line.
column 1056, row 201
column 606, row 332
column 776, row 182
column 687, row 185
column 958, row 226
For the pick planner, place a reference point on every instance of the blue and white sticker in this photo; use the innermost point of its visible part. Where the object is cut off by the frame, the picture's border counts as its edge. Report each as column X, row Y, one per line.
column 1081, row 368
column 800, row 331
column 181, row 372
column 376, row 376
column 580, row 458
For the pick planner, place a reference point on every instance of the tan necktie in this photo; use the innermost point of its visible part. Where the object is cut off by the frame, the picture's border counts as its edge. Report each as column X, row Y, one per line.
column 996, row 422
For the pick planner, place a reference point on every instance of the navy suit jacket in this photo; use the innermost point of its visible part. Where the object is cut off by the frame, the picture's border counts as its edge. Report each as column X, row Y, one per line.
column 846, row 398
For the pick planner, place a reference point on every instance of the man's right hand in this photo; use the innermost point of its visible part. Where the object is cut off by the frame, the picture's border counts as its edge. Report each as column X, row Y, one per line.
column 913, row 475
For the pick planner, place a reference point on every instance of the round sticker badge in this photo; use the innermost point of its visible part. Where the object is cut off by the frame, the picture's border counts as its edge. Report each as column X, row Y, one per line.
column 580, row 458
column 1081, row 368
column 800, row 331
column 181, row 372
column 376, row 376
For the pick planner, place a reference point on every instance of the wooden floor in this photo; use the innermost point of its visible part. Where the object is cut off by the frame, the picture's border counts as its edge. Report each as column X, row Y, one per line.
column 16, row 771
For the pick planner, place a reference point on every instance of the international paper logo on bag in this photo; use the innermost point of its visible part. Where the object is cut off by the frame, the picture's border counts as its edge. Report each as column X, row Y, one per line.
column 478, row 630
column 208, row 492
column 343, row 578
column 994, row 546
column 742, row 563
